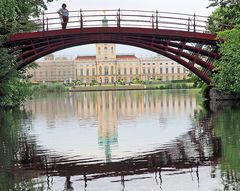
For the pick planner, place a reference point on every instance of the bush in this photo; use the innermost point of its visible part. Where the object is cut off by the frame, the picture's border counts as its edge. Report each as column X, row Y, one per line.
column 205, row 91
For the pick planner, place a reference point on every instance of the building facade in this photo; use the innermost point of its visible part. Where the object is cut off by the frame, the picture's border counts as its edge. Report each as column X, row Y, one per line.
column 52, row 69
column 107, row 68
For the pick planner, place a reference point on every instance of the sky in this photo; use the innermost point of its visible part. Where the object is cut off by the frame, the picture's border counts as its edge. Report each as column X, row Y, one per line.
column 179, row 6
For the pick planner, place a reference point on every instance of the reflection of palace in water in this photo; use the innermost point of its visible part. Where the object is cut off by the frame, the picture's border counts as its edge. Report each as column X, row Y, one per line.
column 110, row 108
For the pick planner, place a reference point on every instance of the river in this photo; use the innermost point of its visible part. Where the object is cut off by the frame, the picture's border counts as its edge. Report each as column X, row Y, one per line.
column 145, row 140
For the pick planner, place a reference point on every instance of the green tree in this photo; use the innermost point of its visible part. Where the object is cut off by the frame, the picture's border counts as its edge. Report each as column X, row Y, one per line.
column 224, row 17
column 228, row 77
column 15, row 16
column 225, row 21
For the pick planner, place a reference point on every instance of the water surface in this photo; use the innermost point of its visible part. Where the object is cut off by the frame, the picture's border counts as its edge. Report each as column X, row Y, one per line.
column 127, row 140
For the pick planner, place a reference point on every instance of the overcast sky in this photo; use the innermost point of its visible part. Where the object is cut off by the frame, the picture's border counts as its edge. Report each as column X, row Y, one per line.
column 180, row 6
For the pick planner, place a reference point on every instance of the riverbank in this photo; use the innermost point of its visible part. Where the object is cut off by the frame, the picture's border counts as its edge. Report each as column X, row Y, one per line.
column 118, row 87
column 60, row 87
column 107, row 88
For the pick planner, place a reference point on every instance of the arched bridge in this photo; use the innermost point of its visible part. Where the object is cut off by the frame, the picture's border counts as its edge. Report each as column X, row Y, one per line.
column 180, row 37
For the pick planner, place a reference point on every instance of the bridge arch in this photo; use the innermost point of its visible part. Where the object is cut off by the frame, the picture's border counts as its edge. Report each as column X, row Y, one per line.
column 153, row 33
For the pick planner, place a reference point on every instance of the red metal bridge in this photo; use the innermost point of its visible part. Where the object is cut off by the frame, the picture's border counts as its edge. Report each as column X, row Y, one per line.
column 180, row 37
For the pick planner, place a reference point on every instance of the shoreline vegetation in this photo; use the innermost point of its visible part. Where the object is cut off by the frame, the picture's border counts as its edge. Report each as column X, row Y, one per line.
column 65, row 87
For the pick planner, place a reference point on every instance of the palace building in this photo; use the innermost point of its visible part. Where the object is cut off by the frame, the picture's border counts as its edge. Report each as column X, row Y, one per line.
column 107, row 67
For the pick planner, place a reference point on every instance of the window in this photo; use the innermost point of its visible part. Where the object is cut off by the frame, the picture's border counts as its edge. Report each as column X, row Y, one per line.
column 119, row 71
column 125, row 71
column 166, row 70
column 100, row 70
column 106, row 70
column 136, row 71
column 153, row 70
column 144, row 71
column 149, row 70
column 99, row 50
column 172, row 70
column 93, row 71
column 81, row 72
column 160, row 70
column 112, row 70
column 106, row 80
column 178, row 70
column 87, row 72
column 130, row 71
column 105, row 50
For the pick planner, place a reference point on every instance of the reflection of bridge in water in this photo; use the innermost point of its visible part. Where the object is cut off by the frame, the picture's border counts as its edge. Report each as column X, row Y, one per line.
column 186, row 152
column 197, row 148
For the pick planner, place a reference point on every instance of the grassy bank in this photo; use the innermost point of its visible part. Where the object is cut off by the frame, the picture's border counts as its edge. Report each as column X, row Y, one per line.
column 59, row 87
column 48, row 87
column 171, row 85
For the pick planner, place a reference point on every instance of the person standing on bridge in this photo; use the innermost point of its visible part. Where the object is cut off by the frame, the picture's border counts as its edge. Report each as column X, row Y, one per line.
column 63, row 13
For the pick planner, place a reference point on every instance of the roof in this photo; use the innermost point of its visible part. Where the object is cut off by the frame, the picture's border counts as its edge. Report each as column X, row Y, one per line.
column 119, row 57
column 126, row 57
column 86, row 58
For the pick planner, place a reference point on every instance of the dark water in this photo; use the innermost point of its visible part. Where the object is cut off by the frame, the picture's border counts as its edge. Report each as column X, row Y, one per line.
column 129, row 140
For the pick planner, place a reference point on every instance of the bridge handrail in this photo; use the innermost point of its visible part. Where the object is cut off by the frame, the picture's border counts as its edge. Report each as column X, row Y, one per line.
column 125, row 18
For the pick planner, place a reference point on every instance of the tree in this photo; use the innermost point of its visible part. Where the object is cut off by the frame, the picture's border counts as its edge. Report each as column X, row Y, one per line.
column 225, row 21
column 226, row 15
column 228, row 77
column 14, row 16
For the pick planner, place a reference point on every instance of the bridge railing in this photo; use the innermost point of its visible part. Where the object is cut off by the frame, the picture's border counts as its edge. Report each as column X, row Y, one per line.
column 125, row 18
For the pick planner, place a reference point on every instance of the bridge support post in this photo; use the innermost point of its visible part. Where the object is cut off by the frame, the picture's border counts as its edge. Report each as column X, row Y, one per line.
column 189, row 21
column 47, row 23
column 156, row 19
column 118, row 18
column 194, row 22
column 153, row 21
column 81, row 19
column 43, row 22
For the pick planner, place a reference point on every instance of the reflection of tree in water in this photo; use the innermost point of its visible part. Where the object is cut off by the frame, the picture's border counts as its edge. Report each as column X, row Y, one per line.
column 227, row 127
column 13, row 150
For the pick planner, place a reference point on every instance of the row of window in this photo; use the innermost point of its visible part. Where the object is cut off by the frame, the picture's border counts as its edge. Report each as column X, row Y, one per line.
column 126, row 79
column 53, row 73
column 127, row 64
column 105, row 71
